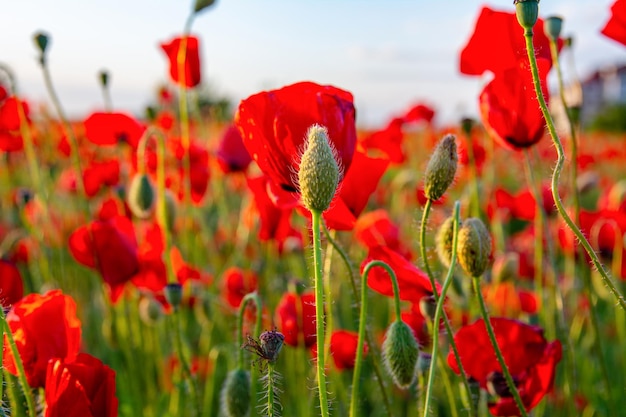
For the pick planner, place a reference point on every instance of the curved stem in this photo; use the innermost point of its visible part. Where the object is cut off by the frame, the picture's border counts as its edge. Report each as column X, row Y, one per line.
column 319, row 311
column 356, row 376
column 438, row 312
column 496, row 348
column 254, row 297
column 528, row 35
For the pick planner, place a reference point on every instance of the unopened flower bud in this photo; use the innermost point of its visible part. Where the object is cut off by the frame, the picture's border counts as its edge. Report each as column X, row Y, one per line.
column 170, row 209
column 474, row 247
column 552, row 27
column 400, row 352
column 235, row 397
column 271, row 343
column 441, row 168
column 103, row 76
column 41, row 41
column 527, row 12
column 319, row 171
column 150, row 310
column 443, row 241
column 174, row 294
column 202, row 4
column 141, row 196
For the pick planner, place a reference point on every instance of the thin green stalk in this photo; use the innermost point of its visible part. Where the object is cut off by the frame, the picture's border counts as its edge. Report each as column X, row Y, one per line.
column 184, row 111
column 328, row 294
column 496, row 348
column 436, row 297
column 270, row 378
column 319, row 311
column 438, row 313
column 17, row 360
column 358, row 362
column 528, row 35
column 473, row 173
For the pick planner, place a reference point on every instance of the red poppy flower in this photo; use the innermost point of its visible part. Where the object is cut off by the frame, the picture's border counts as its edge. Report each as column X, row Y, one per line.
column 412, row 281
column 236, row 284
column 198, row 168
column 191, row 76
column 110, row 247
column 615, row 28
column 295, row 317
column 343, row 344
column 479, row 154
column 113, row 128
column 522, row 205
column 530, row 358
column 498, row 44
column 274, row 124
column 44, row 327
column 84, row 387
column 376, row 229
column 388, row 141
column 99, row 174
column 504, row 299
column 232, row 154
column 509, row 107
column 10, row 136
column 11, row 285
column 419, row 112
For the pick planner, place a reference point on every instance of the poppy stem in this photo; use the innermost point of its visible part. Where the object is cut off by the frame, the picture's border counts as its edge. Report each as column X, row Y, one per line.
column 316, row 216
column 368, row 339
column 556, row 174
column 358, row 361
column 271, row 379
column 17, row 359
column 438, row 312
column 250, row 297
column 494, row 342
column 436, row 297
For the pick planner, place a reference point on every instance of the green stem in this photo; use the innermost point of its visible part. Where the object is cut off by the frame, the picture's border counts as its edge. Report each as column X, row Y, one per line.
column 17, row 359
column 528, row 35
column 271, row 411
column 496, row 348
column 319, row 311
column 358, row 362
column 184, row 111
column 438, row 313
column 328, row 294
column 473, row 173
column 254, row 297
column 436, row 297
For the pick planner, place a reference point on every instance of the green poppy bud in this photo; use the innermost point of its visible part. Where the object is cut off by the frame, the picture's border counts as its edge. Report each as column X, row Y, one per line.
column 552, row 27
column 202, row 4
column 141, row 196
column 400, row 352
column 235, row 397
column 443, row 241
column 527, row 12
column 41, row 41
column 474, row 247
column 103, row 76
column 441, row 168
column 174, row 294
column 319, row 171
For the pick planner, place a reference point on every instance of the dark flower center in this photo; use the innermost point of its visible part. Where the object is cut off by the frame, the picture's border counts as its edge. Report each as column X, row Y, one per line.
column 496, row 384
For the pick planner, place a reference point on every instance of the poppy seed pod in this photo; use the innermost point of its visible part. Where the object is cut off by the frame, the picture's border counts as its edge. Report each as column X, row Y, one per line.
column 319, row 170
column 41, row 40
column 141, row 196
column 202, row 4
column 474, row 247
column 552, row 27
column 441, row 168
column 400, row 353
column 103, row 76
column 174, row 294
column 527, row 12
column 235, row 398
column 443, row 241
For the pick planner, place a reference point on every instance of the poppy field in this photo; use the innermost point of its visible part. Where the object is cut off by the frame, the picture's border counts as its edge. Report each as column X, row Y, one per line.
column 286, row 262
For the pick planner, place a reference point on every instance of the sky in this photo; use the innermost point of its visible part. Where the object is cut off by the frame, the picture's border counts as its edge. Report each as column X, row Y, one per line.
column 389, row 54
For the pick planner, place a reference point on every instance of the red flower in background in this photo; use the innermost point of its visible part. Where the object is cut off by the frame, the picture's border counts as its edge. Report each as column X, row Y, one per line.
column 388, row 141
column 82, row 388
column 412, row 281
column 615, row 27
column 419, row 112
column 343, row 344
column 274, row 124
column 10, row 136
column 509, row 107
column 99, row 174
column 522, row 205
column 417, row 322
column 113, row 128
column 530, row 358
column 191, row 76
column 11, row 285
column 376, row 229
column 44, row 327
column 236, row 284
column 498, row 44
column 232, row 154
column 110, row 247
column 295, row 318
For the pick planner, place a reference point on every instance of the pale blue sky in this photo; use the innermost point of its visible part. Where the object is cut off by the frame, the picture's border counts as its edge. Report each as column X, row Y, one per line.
column 389, row 54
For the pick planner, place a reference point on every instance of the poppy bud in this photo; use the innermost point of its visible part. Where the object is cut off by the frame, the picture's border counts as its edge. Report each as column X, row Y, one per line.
column 271, row 343
column 400, row 353
column 41, row 40
column 319, row 171
column 428, row 306
column 527, row 12
column 474, row 247
column 174, row 294
column 141, row 198
column 443, row 241
column 236, row 394
column 170, row 209
column 441, row 168
column 150, row 310
column 202, row 4
column 552, row 27
column 103, row 75
column 467, row 123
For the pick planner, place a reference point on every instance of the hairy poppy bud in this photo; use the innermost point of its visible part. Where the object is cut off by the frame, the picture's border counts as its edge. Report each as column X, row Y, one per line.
column 527, row 12
column 141, row 198
column 443, row 241
column 474, row 247
column 319, row 171
column 441, row 168
column 400, row 353
column 552, row 27
column 235, row 399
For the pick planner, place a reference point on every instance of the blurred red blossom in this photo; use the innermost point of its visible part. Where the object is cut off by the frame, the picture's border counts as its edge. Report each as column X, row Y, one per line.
column 419, row 112
column 10, row 135
column 236, row 283
column 11, row 285
column 343, row 344
column 295, row 318
column 191, row 75
column 113, row 128
column 615, row 27
column 388, row 141
column 232, row 154
column 377, row 229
